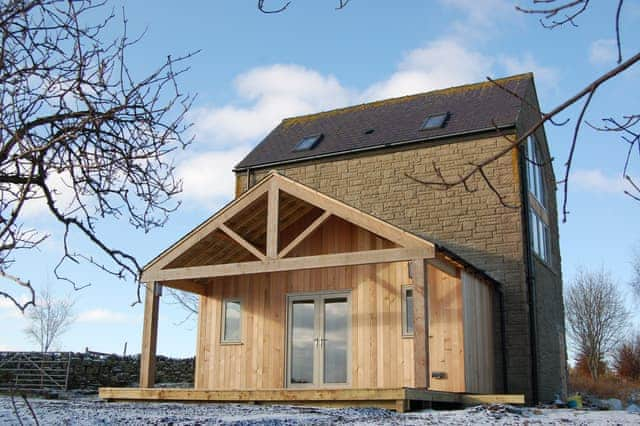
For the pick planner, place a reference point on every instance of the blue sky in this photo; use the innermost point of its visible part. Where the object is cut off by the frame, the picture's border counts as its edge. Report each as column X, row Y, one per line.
column 255, row 69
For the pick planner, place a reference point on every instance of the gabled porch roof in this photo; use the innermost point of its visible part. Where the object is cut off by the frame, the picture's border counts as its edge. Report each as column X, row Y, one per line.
column 260, row 230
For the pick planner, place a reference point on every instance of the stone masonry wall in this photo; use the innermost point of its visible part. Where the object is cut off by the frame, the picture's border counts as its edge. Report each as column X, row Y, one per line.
column 547, row 281
column 474, row 224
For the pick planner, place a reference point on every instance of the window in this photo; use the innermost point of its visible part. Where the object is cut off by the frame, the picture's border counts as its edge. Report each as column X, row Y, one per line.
column 435, row 121
column 231, row 321
column 308, row 142
column 407, row 311
column 539, row 236
column 534, row 171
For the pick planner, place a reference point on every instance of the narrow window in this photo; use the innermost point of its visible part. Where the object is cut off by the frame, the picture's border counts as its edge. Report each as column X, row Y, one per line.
column 435, row 121
column 540, row 237
column 407, row 311
column 534, row 171
column 231, row 321
column 540, row 242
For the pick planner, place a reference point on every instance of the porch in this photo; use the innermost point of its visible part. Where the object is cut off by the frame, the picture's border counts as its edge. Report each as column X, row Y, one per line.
column 306, row 300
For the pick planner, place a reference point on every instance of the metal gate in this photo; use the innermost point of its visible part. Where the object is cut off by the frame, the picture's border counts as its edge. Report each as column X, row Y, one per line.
column 34, row 370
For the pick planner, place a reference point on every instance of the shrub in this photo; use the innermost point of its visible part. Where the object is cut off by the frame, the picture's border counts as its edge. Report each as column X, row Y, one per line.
column 627, row 359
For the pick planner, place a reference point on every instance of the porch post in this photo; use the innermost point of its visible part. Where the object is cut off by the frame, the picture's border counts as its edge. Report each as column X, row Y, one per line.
column 421, row 323
column 149, row 335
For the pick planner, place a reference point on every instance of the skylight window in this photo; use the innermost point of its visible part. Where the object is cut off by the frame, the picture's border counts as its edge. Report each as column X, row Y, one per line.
column 308, row 142
column 435, row 121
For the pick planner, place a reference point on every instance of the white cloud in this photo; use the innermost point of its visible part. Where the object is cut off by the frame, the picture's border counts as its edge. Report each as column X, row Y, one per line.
column 101, row 315
column 545, row 76
column 441, row 63
column 62, row 193
column 9, row 311
column 603, row 52
column 480, row 19
column 274, row 92
column 207, row 177
column 267, row 94
column 594, row 180
column 8, row 348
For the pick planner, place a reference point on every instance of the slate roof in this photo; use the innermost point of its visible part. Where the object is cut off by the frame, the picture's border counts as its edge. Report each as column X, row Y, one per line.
column 472, row 108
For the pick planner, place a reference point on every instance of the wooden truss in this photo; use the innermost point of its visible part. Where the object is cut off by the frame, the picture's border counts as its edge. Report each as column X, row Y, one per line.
column 273, row 258
column 276, row 202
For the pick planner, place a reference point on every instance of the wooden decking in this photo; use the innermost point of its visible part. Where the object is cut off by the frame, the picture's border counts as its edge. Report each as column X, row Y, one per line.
column 399, row 399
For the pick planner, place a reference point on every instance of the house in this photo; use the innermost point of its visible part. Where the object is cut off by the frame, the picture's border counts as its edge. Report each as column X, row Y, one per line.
column 334, row 277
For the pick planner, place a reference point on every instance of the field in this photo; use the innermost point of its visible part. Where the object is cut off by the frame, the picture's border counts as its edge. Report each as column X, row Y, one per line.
column 92, row 411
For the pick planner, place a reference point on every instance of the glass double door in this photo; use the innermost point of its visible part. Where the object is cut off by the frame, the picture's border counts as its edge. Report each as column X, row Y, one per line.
column 318, row 339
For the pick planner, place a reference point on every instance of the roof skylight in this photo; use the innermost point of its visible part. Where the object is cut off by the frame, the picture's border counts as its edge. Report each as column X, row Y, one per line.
column 435, row 121
column 308, row 143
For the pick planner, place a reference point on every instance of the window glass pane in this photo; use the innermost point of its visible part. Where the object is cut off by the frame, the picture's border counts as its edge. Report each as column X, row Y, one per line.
column 530, row 166
column 534, row 231
column 408, row 311
column 545, row 242
column 307, row 143
column 534, row 171
column 434, row 121
column 231, row 321
column 336, row 340
column 302, row 341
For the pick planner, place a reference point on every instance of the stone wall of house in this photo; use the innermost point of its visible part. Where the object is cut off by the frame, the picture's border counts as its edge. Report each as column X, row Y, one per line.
column 475, row 223
column 547, row 279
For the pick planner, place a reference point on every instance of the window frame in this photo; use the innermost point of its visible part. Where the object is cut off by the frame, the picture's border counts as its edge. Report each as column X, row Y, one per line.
column 404, row 312
column 540, row 237
column 539, row 229
column 443, row 122
column 314, row 140
column 536, row 184
column 224, row 340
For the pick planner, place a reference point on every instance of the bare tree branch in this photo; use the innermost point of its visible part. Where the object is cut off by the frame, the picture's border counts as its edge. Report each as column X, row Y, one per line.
column 81, row 139
column 263, row 10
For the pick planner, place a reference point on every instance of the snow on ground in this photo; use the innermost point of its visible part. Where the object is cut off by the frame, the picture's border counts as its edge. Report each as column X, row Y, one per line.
column 92, row 411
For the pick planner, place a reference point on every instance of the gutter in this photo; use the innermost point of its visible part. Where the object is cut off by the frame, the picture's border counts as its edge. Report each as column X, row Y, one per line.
column 529, row 275
column 374, row 147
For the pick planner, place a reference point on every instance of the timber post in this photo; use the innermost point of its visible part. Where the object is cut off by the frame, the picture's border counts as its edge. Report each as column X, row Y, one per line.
column 421, row 322
column 149, row 335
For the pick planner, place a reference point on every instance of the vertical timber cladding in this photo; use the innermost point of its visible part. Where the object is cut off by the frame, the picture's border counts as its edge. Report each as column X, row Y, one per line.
column 380, row 356
column 461, row 330
column 479, row 330
column 446, row 341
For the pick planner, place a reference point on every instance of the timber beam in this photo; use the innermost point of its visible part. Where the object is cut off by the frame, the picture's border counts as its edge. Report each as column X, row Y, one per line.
column 289, row 264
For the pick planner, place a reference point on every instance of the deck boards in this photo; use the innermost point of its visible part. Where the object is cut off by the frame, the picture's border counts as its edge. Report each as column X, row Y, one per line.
column 395, row 399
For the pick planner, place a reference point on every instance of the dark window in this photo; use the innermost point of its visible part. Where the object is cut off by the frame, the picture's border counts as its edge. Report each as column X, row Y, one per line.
column 308, row 142
column 435, row 121
column 407, row 311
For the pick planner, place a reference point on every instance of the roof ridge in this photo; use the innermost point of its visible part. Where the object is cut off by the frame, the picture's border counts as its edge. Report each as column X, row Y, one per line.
column 468, row 86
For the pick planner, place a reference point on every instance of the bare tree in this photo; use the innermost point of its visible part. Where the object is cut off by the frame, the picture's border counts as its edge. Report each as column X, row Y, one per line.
column 553, row 14
column 81, row 136
column 596, row 316
column 188, row 301
column 49, row 319
column 635, row 265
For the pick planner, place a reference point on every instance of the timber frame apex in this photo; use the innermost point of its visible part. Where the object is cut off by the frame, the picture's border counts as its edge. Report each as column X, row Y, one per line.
column 265, row 200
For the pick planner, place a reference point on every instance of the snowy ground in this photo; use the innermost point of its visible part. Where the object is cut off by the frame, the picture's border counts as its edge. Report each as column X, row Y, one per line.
column 91, row 411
